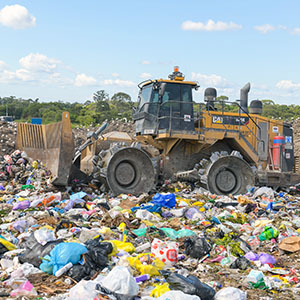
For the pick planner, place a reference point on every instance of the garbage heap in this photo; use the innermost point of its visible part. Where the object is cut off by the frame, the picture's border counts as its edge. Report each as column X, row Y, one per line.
column 8, row 134
column 296, row 128
column 178, row 244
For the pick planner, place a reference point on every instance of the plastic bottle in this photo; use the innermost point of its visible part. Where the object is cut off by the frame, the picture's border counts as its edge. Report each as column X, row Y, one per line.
column 214, row 284
column 64, row 269
column 143, row 247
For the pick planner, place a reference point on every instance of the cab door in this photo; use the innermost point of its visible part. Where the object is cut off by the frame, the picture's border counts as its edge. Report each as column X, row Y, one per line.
column 176, row 109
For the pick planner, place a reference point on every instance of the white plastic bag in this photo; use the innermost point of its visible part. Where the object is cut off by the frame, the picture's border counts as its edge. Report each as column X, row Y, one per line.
column 230, row 293
column 143, row 214
column 119, row 280
column 84, row 290
column 167, row 252
column 44, row 235
column 264, row 191
column 174, row 295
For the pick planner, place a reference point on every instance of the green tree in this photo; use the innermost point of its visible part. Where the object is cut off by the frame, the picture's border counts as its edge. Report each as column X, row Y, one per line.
column 222, row 98
column 100, row 96
column 121, row 97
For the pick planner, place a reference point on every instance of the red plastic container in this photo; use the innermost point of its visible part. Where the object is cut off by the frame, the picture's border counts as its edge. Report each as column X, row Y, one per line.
column 278, row 142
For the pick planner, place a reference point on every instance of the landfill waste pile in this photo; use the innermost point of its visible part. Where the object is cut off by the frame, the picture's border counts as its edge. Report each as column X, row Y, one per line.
column 182, row 243
column 8, row 134
column 81, row 133
column 296, row 128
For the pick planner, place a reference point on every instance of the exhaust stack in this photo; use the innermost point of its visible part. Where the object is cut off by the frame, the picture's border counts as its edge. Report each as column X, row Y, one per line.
column 244, row 97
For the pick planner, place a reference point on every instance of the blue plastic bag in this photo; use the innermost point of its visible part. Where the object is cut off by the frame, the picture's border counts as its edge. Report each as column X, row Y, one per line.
column 164, row 200
column 61, row 255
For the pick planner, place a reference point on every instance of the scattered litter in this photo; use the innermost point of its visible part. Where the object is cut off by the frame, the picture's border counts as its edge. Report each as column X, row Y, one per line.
column 181, row 243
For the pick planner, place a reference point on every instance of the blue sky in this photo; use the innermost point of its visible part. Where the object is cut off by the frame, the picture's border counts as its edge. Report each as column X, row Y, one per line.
column 67, row 50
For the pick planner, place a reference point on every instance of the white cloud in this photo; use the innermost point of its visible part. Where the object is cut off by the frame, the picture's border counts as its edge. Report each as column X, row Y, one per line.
column 84, row 80
column 282, row 27
column 264, row 28
column 296, row 30
column 145, row 75
column 288, row 85
column 210, row 80
column 210, row 26
column 2, row 64
column 145, row 62
column 115, row 74
column 119, row 82
column 16, row 17
column 57, row 79
column 24, row 75
column 39, row 63
column 6, row 76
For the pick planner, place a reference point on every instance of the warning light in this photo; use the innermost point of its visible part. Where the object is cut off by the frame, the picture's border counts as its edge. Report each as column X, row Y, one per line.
column 176, row 75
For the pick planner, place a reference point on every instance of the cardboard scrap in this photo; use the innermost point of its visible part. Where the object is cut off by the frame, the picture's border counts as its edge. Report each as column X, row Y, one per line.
column 290, row 244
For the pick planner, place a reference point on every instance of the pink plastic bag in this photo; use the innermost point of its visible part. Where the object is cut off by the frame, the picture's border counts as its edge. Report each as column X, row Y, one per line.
column 24, row 289
column 167, row 252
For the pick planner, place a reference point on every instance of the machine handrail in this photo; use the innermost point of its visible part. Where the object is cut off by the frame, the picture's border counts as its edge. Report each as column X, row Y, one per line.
column 245, row 112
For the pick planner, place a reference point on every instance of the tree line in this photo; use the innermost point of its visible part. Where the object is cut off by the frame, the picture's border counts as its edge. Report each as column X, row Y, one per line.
column 103, row 107
column 91, row 112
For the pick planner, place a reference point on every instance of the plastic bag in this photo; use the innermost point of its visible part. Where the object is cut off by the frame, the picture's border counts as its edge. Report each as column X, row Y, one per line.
column 251, row 256
column 44, row 235
column 265, row 258
column 24, row 289
column 167, row 200
column 230, row 293
column 264, row 191
column 51, row 198
column 128, row 247
column 177, row 295
column 34, row 251
column 83, row 290
column 190, row 285
column 268, row 234
column 62, row 254
column 197, row 247
column 173, row 234
column 96, row 259
column 194, row 213
column 167, row 252
column 20, row 225
column 119, row 280
column 241, row 263
column 7, row 245
column 21, row 205
column 146, row 215
column 146, row 263
column 159, row 290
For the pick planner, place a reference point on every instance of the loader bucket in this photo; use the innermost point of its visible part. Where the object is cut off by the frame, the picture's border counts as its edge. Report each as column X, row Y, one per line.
column 51, row 144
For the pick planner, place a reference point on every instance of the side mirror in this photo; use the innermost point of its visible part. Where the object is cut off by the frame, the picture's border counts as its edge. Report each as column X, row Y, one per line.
column 162, row 89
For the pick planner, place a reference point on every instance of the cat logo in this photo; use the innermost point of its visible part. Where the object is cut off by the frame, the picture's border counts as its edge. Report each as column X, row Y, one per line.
column 217, row 120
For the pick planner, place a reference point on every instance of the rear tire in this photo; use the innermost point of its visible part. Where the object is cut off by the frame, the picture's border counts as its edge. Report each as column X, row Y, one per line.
column 229, row 175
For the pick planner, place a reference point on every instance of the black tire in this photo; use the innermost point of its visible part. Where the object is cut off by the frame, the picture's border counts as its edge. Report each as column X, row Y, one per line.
column 130, row 171
column 230, row 175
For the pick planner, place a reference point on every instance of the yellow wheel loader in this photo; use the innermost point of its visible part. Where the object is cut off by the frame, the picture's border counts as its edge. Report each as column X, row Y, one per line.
column 226, row 152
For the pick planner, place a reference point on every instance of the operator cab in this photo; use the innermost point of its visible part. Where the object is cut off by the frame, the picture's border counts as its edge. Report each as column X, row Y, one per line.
column 165, row 105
